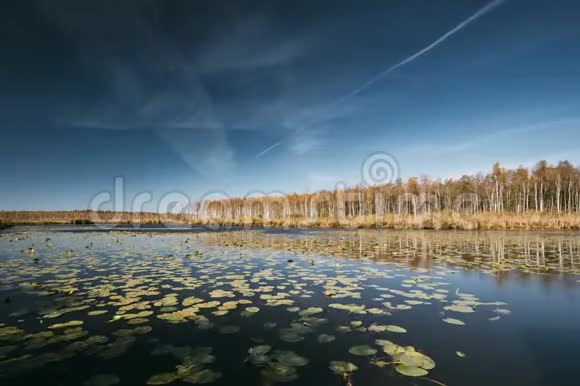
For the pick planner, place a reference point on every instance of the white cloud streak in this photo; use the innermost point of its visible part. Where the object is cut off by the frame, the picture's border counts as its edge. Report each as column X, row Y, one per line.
column 480, row 13
column 488, row 8
column 263, row 152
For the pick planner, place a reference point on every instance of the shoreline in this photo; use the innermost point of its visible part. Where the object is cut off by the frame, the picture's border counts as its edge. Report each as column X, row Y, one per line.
column 530, row 221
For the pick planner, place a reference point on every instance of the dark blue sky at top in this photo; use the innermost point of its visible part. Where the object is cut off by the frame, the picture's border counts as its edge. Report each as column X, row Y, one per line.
column 187, row 95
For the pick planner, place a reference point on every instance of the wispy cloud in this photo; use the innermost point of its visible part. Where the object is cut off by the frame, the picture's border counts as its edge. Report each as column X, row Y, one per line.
column 304, row 145
column 248, row 44
column 147, row 82
column 481, row 12
column 501, row 134
column 266, row 151
column 369, row 83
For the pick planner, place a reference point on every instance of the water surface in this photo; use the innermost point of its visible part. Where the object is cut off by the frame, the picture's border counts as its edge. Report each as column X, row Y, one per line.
column 299, row 307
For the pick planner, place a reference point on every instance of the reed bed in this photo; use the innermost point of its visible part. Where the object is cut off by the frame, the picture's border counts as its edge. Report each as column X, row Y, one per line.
column 434, row 220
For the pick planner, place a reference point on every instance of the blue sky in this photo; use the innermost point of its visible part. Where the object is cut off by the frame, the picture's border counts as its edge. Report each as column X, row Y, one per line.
column 281, row 96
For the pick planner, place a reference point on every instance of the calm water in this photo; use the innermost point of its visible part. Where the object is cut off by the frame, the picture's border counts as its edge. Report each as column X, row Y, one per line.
column 301, row 307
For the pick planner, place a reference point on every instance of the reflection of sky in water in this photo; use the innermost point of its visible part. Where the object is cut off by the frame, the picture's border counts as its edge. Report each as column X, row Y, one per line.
column 536, row 344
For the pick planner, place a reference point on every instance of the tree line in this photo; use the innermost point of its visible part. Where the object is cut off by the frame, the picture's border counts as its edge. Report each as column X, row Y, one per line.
column 544, row 188
column 542, row 197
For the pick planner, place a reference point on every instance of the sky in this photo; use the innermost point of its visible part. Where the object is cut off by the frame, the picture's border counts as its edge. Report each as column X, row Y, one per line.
column 235, row 98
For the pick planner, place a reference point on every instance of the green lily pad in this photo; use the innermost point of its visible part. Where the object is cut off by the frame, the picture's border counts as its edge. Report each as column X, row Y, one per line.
column 290, row 359
column 392, row 348
column 362, row 350
column 72, row 323
column 259, row 350
column 341, row 368
column 97, row 312
column 454, row 321
column 162, row 379
column 411, row 371
column 416, row 359
column 397, row 329
column 276, row 372
column 377, row 328
column 459, row 308
column 290, row 336
column 202, row 377
column 310, row 311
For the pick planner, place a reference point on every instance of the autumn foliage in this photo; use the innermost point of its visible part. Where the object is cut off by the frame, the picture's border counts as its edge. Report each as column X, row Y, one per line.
column 545, row 197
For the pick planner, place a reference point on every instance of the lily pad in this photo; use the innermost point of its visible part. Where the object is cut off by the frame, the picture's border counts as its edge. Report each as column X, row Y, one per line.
column 459, row 308
column 202, row 377
column 289, row 336
column 362, row 350
column 259, row 350
column 310, row 311
column 290, row 359
column 397, row 329
column 416, row 359
column 162, row 379
column 276, row 372
column 341, row 368
column 72, row 323
column 411, row 371
column 454, row 321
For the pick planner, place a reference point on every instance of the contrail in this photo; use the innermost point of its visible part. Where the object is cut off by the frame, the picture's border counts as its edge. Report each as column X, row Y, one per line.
column 481, row 12
column 268, row 149
column 423, row 51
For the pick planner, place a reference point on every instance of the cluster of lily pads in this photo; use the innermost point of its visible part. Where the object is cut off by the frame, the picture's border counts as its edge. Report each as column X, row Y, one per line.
column 406, row 360
column 277, row 366
column 492, row 252
column 192, row 369
column 127, row 284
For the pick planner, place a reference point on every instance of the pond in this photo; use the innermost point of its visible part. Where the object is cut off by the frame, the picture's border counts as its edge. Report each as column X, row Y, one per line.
column 86, row 306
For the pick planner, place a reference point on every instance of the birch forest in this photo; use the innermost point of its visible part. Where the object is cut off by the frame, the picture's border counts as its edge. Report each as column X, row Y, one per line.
column 544, row 189
column 543, row 197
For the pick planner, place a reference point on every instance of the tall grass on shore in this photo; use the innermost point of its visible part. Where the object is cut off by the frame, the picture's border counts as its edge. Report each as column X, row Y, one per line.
column 85, row 217
column 433, row 220
column 438, row 221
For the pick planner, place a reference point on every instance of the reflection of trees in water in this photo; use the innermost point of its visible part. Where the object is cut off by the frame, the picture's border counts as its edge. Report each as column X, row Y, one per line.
column 505, row 255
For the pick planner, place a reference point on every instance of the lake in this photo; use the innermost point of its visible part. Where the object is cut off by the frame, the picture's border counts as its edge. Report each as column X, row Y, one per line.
column 86, row 306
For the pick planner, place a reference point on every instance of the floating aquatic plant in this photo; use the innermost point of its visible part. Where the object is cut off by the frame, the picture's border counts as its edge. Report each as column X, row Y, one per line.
column 362, row 350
